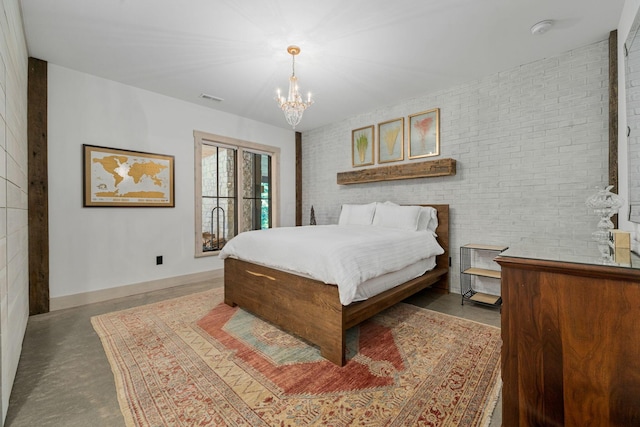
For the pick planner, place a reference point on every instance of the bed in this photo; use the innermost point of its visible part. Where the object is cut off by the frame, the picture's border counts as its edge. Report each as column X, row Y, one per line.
column 311, row 309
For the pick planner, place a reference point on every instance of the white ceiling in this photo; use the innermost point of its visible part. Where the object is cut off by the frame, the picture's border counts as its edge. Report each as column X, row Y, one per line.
column 356, row 54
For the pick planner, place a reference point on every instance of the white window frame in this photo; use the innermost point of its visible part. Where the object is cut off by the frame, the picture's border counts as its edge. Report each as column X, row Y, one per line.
column 201, row 138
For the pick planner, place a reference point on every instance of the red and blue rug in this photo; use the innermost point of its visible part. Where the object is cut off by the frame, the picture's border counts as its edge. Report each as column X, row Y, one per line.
column 194, row 361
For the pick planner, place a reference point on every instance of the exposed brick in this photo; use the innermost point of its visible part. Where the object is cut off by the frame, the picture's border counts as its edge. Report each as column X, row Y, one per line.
column 531, row 145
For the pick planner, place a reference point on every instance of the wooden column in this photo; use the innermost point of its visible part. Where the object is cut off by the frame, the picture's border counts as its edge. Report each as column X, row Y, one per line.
column 38, row 187
column 298, row 178
column 613, row 115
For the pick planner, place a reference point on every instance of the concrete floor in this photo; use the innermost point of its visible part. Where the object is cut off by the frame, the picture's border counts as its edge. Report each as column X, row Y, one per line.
column 64, row 377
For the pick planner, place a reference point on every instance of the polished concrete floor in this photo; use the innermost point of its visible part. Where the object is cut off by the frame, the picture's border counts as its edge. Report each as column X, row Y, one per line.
column 64, row 378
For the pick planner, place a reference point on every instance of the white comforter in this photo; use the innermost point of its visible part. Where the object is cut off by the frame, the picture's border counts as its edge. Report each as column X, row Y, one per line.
column 345, row 255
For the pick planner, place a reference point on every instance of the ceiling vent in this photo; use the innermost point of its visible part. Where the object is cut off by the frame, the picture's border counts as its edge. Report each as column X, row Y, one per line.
column 211, row 97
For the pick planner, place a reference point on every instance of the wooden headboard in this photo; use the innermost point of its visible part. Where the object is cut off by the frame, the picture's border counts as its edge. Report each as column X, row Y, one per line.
column 442, row 261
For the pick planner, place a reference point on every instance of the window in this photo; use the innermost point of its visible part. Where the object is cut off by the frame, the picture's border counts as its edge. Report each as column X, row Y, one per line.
column 236, row 188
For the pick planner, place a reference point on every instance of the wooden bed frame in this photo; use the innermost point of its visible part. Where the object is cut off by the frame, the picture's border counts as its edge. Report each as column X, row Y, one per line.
column 311, row 309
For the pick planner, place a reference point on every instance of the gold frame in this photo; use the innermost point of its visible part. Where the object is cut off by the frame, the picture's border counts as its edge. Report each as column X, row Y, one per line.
column 396, row 127
column 368, row 132
column 109, row 197
column 424, row 142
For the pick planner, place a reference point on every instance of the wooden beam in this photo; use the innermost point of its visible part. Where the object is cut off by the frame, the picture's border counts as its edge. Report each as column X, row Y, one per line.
column 613, row 115
column 38, row 187
column 298, row 178
column 431, row 168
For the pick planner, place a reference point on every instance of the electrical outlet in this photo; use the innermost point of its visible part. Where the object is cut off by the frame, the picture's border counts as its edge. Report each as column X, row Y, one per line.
column 159, row 260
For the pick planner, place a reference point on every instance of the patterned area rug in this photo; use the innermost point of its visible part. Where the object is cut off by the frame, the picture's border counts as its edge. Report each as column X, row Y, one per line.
column 194, row 361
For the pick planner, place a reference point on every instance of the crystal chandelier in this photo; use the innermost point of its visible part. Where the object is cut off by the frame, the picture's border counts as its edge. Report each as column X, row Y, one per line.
column 293, row 106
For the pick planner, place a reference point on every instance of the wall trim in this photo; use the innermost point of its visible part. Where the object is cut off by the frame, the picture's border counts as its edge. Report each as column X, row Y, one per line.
column 76, row 300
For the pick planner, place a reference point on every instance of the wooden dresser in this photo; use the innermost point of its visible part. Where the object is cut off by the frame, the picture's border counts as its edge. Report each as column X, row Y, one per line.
column 571, row 339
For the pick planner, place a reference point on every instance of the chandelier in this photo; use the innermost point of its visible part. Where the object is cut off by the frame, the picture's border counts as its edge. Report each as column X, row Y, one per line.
column 293, row 106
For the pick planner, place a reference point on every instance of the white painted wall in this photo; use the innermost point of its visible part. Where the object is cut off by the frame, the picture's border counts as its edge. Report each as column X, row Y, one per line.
column 100, row 248
column 14, row 268
column 531, row 144
column 631, row 7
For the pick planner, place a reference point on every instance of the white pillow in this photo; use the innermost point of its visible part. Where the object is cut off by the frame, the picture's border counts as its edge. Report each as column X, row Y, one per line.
column 357, row 214
column 428, row 218
column 394, row 216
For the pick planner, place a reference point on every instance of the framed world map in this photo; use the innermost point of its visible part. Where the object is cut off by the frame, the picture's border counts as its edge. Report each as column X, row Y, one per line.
column 115, row 177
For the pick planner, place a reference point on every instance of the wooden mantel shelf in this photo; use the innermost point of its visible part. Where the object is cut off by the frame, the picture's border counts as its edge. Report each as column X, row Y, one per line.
column 431, row 168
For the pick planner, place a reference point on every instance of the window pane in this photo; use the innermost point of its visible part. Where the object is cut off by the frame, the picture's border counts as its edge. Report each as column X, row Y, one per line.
column 235, row 186
column 218, row 224
column 265, row 214
column 209, row 171
column 256, row 194
column 218, row 196
column 249, row 215
column 218, row 171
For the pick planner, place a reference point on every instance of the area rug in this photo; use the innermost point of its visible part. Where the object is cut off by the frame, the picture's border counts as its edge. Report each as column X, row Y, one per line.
column 194, row 361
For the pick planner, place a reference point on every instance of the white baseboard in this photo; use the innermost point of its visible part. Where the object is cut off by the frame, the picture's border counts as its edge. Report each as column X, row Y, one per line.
column 75, row 300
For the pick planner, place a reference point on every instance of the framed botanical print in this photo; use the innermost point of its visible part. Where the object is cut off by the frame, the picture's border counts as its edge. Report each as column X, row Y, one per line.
column 391, row 141
column 362, row 146
column 424, row 134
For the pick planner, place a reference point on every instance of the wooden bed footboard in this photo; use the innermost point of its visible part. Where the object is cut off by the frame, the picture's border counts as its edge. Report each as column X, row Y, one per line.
column 302, row 306
column 311, row 309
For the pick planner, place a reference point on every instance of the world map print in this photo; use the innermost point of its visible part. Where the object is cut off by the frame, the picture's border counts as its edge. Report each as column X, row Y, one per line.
column 128, row 178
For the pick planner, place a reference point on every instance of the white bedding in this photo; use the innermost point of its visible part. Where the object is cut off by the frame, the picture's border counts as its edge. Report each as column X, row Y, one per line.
column 345, row 255
column 372, row 287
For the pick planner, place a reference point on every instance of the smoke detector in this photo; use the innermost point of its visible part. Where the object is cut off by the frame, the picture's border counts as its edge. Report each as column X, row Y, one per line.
column 541, row 27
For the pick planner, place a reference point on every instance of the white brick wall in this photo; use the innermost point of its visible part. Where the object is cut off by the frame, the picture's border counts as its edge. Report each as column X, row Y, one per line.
column 632, row 69
column 531, row 144
column 14, row 271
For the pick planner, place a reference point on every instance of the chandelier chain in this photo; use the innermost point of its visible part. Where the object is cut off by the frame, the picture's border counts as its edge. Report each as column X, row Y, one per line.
column 293, row 65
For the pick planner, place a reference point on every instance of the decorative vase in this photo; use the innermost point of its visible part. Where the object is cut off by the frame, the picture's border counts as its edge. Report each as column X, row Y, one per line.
column 605, row 204
column 312, row 220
